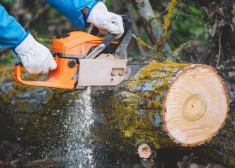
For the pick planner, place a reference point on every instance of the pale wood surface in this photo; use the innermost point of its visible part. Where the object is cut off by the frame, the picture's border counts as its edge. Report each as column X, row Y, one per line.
column 196, row 106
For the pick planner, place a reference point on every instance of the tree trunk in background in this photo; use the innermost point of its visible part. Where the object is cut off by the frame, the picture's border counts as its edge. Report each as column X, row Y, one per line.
column 150, row 23
column 221, row 43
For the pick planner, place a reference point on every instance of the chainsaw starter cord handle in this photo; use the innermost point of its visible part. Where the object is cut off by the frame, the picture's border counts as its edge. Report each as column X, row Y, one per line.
column 108, row 39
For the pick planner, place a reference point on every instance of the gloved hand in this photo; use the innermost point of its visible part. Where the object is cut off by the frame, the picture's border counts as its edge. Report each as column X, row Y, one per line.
column 35, row 57
column 105, row 20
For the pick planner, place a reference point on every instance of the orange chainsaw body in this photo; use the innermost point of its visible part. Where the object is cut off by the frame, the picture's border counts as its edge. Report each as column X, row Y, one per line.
column 74, row 44
column 85, row 60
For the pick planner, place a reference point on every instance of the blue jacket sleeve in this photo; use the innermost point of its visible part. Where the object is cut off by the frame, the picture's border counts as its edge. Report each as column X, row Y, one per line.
column 11, row 32
column 72, row 9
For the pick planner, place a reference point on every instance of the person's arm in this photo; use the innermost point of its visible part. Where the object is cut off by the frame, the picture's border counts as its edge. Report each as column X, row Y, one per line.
column 82, row 12
column 72, row 9
column 35, row 57
column 11, row 32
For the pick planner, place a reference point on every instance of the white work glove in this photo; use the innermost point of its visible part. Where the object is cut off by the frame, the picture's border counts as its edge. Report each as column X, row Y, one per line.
column 35, row 57
column 105, row 20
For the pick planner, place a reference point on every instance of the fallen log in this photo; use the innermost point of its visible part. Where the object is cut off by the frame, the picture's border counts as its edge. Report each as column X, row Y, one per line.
column 141, row 110
column 171, row 105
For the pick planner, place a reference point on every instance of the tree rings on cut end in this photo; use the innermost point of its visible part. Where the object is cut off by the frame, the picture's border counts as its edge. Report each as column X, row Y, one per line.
column 196, row 105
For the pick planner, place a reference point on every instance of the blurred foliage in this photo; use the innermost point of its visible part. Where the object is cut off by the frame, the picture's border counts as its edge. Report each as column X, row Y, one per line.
column 108, row 3
column 187, row 22
column 188, row 33
column 53, row 14
column 8, row 58
column 7, row 1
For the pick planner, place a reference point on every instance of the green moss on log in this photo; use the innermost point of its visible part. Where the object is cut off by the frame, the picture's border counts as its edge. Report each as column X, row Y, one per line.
column 137, row 111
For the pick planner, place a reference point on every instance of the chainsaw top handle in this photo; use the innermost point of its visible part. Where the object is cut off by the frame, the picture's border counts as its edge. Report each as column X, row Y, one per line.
column 127, row 23
column 105, row 43
column 108, row 39
column 120, row 49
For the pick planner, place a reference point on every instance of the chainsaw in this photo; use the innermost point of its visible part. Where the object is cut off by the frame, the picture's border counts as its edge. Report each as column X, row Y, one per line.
column 85, row 59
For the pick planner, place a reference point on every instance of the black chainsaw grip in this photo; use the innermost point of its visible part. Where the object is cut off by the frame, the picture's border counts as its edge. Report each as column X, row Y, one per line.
column 108, row 39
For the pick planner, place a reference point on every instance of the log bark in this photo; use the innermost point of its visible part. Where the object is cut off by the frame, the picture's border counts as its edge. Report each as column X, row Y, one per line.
column 180, row 97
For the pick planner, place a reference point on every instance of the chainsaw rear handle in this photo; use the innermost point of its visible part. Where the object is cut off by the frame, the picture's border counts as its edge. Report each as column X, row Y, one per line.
column 56, row 81
column 17, row 76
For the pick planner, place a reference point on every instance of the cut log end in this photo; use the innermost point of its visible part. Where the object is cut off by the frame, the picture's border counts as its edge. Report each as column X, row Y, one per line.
column 144, row 151
column 196, row 106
